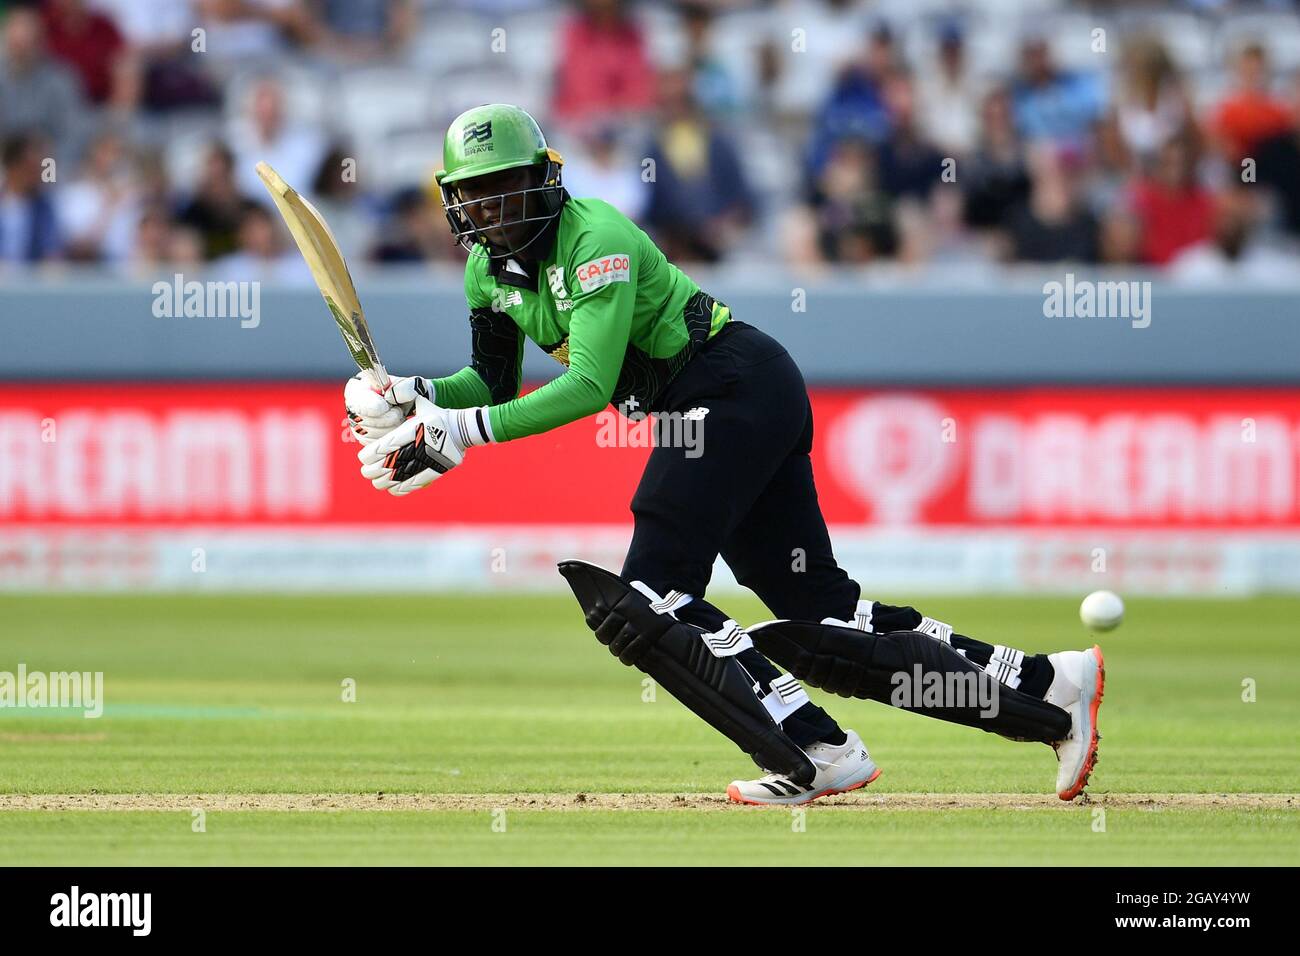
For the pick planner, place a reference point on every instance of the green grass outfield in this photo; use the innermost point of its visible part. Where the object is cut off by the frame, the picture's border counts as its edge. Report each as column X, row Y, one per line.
column 498, row 731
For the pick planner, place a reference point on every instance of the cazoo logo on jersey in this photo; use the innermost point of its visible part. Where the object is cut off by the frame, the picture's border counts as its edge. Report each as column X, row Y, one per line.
column 602, row 271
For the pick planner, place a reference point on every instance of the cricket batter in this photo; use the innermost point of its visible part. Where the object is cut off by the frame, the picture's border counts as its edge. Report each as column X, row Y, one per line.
column 593, row 291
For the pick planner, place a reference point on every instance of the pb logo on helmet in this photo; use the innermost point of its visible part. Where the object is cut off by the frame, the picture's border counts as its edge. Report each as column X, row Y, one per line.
column 478, row 134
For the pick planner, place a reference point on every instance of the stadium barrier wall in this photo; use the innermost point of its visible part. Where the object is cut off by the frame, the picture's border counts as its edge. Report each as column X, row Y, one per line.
column 932, row 329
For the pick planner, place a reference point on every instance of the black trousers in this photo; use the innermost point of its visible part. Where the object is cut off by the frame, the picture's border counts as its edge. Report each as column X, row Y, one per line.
column 749, row 495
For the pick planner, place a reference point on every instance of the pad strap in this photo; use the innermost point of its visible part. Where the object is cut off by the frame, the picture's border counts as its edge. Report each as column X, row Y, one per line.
column 847, row 662
column 717, row 688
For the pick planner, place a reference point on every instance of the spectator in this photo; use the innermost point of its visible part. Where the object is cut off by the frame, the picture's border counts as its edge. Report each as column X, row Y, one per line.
column 159, row 244
column 266, row 133
column 254, row 30
column 933, row 233
column 1173, row 209
column 152, row 183
column 1109, row 181
column 357, row 31
column 856, row 105
column 90, row 43
column 151, row 248
column 159, row 63
column 1120, row 238
column 217, row 206
column 948, row 97
column 1052, row 105
column 1152, row 104
column 185, row 248
column 700, row 202
column 1279, row 164
column 262, row 254
column 909, row 165
column 1053, row 226
column 1234, row 252
column 853, row 216
column 714, row 82
column 38, row 92
column 994, row 179
column 604, row 71
column 1249, row 114
column 337, row 196
column 948, row 242
column 601, row 166
column 29, row 226
column 415, row 232
column 798, row 68
column 1110, row 172
column 100, row 208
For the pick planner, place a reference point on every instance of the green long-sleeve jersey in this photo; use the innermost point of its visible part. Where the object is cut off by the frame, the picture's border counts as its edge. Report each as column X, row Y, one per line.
column 602, row 300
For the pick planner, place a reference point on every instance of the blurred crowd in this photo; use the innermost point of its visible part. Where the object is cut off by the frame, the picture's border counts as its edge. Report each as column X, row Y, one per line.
column 820, row 133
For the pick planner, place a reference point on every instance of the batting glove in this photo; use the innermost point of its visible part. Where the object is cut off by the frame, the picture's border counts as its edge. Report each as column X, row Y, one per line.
column 423, row 448
column 374, row 412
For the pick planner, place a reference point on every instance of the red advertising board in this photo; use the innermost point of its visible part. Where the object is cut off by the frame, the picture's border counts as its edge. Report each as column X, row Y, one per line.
column 250, row 454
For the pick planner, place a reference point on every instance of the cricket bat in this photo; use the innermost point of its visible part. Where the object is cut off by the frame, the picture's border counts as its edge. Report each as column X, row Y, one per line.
column 321, row 250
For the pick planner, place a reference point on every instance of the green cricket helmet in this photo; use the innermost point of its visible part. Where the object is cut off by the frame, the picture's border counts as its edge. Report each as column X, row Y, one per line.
column 491, row 139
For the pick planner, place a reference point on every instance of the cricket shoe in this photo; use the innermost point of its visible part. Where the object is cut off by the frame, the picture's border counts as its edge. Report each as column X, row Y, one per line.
column 840, row 768
column 1077, row 689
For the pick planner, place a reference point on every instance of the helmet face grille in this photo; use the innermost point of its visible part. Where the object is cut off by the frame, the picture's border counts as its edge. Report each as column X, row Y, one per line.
column 539, row 204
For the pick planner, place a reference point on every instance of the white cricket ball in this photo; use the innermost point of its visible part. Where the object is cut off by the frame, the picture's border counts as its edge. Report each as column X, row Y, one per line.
column 1102, row 611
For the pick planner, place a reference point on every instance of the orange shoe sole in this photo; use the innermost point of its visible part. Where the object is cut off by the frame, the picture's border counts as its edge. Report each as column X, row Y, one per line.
column 733, row 794
column 1090, row 762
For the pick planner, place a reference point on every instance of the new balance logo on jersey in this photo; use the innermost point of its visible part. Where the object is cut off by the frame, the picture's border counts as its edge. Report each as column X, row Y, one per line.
column 696, row 414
